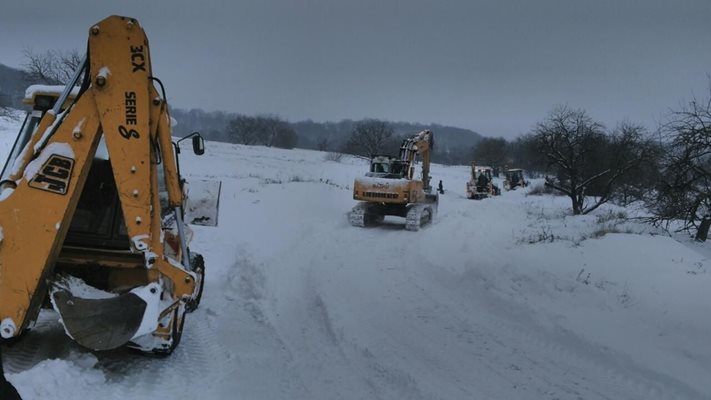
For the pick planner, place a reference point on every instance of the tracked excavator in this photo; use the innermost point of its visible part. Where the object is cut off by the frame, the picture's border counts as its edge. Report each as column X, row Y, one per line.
column 391, row 187
column 92, row 205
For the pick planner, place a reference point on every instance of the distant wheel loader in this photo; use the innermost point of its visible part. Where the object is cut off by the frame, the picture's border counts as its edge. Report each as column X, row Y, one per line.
column 514, row 179
column 391, row 188
column 92, row 205
column 481, row 184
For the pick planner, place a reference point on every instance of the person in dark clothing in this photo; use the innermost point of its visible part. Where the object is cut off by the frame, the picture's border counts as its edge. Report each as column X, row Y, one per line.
column 7, row 391
column 440, row 188
column 514, row 180
column 481, row 183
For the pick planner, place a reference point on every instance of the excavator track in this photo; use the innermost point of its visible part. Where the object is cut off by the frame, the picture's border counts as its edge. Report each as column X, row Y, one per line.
column 417, row 216
column 357, row 215
column 364, row 214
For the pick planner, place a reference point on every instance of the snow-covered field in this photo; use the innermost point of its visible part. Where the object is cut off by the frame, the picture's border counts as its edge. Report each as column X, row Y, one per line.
column 505, row 298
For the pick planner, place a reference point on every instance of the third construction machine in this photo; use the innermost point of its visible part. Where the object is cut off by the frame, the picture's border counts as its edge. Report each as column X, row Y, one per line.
column 391, row 187
column 92, row 205
column 514, row 178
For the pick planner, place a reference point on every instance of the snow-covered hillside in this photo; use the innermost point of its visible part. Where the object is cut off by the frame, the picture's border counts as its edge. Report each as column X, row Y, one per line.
column 505, row 298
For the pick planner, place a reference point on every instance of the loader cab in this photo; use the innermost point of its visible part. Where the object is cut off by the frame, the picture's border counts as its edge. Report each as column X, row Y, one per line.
column 98, row 220
column 486, row 171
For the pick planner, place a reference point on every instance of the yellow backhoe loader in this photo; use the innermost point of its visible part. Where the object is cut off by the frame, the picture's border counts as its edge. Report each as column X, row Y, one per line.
column 514, row 178
column 91, row 205
column 391, row 188
column 481, row 184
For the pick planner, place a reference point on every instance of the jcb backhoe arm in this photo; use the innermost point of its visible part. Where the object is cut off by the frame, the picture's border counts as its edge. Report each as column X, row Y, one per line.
column 119, row 102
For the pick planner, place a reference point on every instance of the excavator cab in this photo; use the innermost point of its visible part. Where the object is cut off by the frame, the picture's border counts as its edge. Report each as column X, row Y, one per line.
column 93, row 208
column 388, row 168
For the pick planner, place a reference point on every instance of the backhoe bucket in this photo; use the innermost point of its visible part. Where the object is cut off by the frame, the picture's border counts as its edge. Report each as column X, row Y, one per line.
column 103, row 321
column 100, row 324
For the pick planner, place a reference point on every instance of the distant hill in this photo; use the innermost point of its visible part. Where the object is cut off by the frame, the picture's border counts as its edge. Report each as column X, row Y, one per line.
column 12, row 86
column 452, row 145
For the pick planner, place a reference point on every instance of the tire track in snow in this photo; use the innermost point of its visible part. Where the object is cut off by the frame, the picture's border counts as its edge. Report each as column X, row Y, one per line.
column 567, row 349
column 257, row 363
column 45, row 340
column 188, row 371
column 383, row 381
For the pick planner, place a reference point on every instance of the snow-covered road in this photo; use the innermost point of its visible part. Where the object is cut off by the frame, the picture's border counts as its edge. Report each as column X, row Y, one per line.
column 505, row 298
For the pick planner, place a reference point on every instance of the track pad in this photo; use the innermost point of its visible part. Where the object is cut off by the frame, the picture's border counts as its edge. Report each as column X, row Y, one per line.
column 99, row 323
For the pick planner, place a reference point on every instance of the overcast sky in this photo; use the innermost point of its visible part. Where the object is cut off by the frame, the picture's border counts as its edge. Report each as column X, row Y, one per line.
column 496, row 67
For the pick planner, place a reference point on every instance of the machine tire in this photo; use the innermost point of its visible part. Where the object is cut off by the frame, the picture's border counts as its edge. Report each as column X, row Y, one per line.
column 197, row 262
column 176, row 333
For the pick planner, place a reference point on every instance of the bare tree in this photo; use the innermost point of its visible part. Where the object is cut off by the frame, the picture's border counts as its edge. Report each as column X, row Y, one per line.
column 323, row 143
column 524, row 154
column 274, row 131
column 243, row 130
column 369, row 137
column 492, row 152
column 278, row 133
column 587, row 162
column 52, row 67
column 685, row 191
